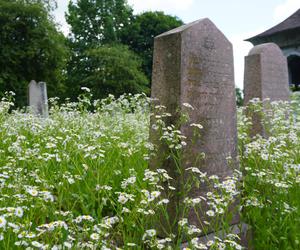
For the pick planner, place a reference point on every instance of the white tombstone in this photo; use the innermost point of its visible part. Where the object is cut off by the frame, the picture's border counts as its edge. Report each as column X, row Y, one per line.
column 38, row 100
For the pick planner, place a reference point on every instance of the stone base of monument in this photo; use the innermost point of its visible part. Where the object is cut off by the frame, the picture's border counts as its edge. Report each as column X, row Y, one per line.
column 242, row 230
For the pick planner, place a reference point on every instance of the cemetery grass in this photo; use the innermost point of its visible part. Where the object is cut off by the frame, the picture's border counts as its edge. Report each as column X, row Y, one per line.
column 271, row 174
column 80, row 180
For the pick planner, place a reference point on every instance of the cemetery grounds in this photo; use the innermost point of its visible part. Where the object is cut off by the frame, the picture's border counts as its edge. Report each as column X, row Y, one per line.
column 80, row 179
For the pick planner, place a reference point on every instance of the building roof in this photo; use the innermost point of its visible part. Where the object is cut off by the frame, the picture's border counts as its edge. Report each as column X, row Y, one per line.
column 292, row 22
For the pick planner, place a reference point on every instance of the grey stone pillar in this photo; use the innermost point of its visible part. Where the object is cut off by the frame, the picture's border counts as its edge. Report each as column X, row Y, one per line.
column 265, row 76
column 194, row 64
column 38, row 100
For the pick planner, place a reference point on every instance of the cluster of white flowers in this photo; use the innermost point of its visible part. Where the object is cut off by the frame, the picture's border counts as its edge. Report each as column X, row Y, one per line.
column 80, row 179
column 271, row 168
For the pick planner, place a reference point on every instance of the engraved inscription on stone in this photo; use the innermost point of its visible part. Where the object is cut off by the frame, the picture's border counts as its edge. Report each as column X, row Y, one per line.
column 201, row 74
column 209, row 43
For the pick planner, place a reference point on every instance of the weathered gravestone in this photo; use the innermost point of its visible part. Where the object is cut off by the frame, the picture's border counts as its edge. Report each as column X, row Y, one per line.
column 38, row 100
column 266, row 74
column 265, row 77
column 194, row 64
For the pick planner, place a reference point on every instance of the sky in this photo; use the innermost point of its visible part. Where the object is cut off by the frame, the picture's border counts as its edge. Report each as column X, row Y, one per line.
column 237, row 19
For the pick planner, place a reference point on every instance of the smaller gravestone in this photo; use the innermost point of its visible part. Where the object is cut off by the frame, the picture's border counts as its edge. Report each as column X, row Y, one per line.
column 266, row 74
column 38, row 100
column 265, row 77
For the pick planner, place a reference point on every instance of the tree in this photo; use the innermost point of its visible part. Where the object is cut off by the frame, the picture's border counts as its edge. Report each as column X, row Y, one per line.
column 96, row 22
column 50, row 5
column 108, row 69
column 98, row 60
column 139, row 35
column 239, row 97
column 30, row 48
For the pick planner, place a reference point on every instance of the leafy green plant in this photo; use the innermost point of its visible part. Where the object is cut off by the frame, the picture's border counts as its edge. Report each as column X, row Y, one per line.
column 80, row 179
column 271, row 168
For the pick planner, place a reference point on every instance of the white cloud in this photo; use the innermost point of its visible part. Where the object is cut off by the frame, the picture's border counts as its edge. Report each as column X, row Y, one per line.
column 167, row 6
column 286, row 9
column 59, row 14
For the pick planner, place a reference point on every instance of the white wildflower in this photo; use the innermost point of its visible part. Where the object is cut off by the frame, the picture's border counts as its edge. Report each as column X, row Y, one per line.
column 122, row 198
column 33, row 192
column 197, row 125
column 95, row 236
column 85, row 89
column 210, row 213
column 68, row 244
column 2, row 222
column 183, row 222
column 19, row 212
column 187, row 105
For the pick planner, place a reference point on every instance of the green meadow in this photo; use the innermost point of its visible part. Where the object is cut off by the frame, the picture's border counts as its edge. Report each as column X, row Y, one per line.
column 80, row 179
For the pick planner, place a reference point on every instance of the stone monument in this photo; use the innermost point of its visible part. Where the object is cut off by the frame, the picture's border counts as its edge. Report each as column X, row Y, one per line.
column 38, row 100
column 265, row 77
column 194, row 64
column 266, row 74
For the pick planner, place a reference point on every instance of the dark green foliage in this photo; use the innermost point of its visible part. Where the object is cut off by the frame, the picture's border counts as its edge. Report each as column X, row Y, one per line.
column 239, row 97
column 108, row 69
column 139, row 35
column 98, row 60
column 96, row 22
column 30, row 48
column 50, row 5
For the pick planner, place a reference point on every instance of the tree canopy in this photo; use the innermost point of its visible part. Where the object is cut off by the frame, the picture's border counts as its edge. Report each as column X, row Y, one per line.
column 30, row 48
column 99, row 60
column 108, row 50
column 95, row 22
column 107, row 69
column 139, row 34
